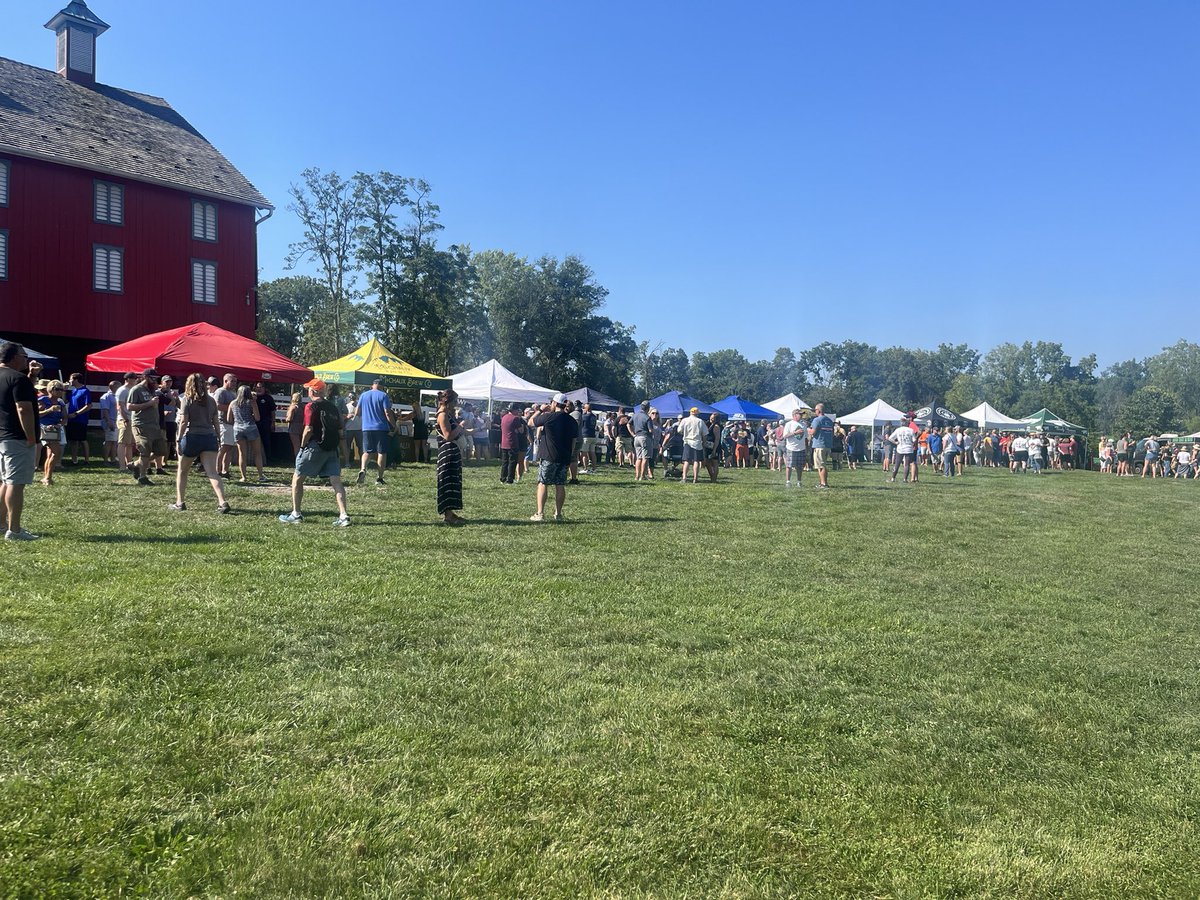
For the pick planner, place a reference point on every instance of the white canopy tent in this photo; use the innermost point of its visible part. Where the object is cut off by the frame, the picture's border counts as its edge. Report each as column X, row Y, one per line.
column 987, row 416
column 785, row 404
column 877, row 413
column 491, row 382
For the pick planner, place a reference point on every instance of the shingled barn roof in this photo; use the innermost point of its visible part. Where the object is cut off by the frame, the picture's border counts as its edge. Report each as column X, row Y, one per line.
column 114, row 131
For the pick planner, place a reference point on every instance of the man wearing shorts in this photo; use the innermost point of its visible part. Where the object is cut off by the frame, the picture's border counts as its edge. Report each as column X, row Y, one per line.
column 18, row 437
column 375, row 410
column 640, row 426
column 124, row 431
column 693, row 431
column 795, row 448
column 319, row 455
column 108, row 420
column 587, row 437
column 820, row 433
column 148, row 437
column 79, row 404
column 556, row 449
column 225, row 396
column 905, row 441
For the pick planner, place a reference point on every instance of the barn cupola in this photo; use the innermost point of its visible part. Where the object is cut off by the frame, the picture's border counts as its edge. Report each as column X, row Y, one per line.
column 76, row 28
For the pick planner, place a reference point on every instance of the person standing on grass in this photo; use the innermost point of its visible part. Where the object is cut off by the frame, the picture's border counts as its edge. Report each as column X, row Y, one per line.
column 950, row 452
column 1033, row 447
column 587, row 440
column 904, row 439
column 196, row 438
column 52, row 410
column 639, row 425
column 319, row 456
column 449, row 460
column 266, row 418
column 18, row 437
column 512, row 426
column 108, row 421
column 224, row 396
column 820, row 434
column 125, row 452
column 243, row 415
column 147, row 431
column 375, row 408
column 556, row 449
column 79, row 405
column 795, row 448
column 694, row 432
column 1151, row 462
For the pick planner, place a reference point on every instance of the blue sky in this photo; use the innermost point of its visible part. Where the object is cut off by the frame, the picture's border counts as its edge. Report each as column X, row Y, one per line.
column 774, row 175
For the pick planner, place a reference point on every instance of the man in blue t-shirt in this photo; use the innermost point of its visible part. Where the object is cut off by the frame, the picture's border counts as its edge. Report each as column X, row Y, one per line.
column 375, row 409
column 820, row 433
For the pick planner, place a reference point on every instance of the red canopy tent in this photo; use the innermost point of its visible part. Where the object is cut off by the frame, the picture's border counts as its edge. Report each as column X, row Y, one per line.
column 199, row 348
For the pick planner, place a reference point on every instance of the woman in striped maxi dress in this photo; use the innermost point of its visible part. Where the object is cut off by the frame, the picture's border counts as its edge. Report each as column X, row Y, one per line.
column 449, row 460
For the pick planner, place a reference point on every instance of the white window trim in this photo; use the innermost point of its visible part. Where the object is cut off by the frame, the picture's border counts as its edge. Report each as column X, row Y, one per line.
column 5, row 182
column 205, row 262
column 109, row 249
column 4, row 254
column 204, row 204
column 110, row 186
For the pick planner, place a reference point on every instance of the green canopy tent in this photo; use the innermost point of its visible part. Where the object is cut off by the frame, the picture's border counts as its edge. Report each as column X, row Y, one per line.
column 1045, row 422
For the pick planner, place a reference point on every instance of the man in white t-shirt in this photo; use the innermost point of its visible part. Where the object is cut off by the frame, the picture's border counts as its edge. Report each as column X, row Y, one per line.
column 905, row 441
column 692, row 430
column 795, row 447
column 1183, row 463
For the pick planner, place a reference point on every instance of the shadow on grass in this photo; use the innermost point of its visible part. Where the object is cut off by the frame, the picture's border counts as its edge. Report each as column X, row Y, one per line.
column 155, row 539
column 641, row 519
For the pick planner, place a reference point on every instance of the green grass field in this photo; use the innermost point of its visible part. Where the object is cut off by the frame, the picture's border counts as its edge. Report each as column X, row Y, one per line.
column 984, row 687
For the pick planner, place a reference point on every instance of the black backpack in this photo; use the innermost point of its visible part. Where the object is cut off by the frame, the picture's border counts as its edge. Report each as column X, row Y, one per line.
column 327, row 424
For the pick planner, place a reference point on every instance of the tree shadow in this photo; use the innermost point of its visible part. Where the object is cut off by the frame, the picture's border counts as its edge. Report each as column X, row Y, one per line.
column 154, row 539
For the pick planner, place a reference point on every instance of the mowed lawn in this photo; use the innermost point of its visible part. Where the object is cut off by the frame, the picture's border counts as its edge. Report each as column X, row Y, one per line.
column 978, row 687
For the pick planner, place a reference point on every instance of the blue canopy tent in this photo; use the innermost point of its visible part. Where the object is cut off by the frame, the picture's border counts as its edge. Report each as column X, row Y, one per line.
column 49, row 363
column 673, row 404
column 733, row 406
column 595, row 398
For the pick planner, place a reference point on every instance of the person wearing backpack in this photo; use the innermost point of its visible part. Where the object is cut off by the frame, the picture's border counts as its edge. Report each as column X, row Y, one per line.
column 318, row 456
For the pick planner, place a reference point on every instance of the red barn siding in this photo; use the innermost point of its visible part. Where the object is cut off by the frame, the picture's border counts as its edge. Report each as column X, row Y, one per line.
column 51, row 235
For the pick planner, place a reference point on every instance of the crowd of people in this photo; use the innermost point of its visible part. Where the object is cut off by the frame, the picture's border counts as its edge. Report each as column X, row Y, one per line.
column 213, row 424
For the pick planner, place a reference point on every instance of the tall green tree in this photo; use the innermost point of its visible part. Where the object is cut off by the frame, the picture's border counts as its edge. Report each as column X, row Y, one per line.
column 329, row 214
column 381, row 198
column 1149, row 410
column 295, row 317
column 1177, row 369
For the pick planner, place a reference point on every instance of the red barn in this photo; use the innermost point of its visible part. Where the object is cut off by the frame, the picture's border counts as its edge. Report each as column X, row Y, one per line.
column 117, row 217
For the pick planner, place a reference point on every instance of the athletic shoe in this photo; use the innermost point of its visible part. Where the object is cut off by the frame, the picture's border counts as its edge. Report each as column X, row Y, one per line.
column 380, row 481
column 341, row 522
column 145, row 481
column 787, row 484
column 362, row 477
column 177, row 507
column 536, row 517
column 160, row 471
column 291, row 518
column 20, row 535
column 572, row 481
column 559, row 517
column 223, row 507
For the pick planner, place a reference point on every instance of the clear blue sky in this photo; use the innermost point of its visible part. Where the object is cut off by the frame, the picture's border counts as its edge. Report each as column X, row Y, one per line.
column 778, row 174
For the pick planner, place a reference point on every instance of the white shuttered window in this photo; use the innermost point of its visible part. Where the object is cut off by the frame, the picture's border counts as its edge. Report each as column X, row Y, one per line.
column 5, row 174
column 3, row 255
column 204, row 220
column 109, row 203
column 108, row 265
column 204, row 281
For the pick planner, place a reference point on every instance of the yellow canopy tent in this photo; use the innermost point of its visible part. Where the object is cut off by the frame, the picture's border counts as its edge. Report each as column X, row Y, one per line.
column 373, row 360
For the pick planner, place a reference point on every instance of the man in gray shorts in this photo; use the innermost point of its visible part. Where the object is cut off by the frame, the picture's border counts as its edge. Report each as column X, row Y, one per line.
column 319, row 455
column 640, row 423
column 18, row 437
column 224, row 396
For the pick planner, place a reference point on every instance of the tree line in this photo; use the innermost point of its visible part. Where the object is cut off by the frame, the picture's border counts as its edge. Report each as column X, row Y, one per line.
column 374, row 241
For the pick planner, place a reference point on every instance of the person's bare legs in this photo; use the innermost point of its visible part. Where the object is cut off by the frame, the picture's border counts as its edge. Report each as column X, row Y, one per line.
column 241, row 445
column 12, row 501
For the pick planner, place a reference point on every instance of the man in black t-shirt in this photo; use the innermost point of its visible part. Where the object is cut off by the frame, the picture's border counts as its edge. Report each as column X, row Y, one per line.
column 555, row 451
column 18, row 437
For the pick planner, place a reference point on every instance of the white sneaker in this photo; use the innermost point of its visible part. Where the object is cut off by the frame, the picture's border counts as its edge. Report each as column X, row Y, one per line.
column 341, row 522
column 536, row 517
column 291, row 518
column 20, row 535
column 787, row 484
